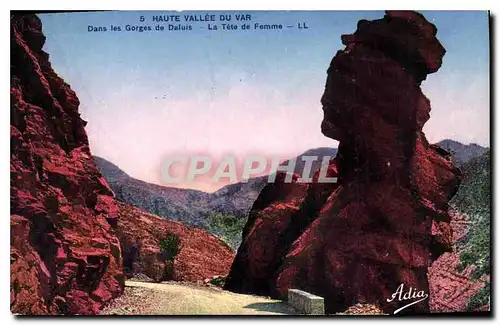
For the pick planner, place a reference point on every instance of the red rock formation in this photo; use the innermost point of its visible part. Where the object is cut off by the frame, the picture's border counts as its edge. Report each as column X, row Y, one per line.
column 279, row 215
column 201, row 254
column 65, row 256
column 386, row 219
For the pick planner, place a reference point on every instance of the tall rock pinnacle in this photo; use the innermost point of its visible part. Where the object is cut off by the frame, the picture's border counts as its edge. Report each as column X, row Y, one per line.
column 387, row 218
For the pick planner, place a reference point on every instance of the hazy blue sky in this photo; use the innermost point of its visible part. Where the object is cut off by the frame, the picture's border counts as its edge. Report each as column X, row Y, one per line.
column 149, row 95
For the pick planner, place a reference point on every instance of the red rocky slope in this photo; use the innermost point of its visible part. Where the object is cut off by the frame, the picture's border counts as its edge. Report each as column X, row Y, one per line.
column 65, row 256
column 201, row 255
column 386, row 219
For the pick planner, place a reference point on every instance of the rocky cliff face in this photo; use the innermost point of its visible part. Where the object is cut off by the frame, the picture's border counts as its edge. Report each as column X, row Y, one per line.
column 386, row 219
column 65, row 256
column 148, row 249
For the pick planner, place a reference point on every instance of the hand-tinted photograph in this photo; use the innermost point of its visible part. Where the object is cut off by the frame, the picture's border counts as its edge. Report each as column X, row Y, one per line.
column 248, row 163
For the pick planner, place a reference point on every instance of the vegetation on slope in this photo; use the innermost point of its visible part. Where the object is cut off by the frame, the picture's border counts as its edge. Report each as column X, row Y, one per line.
column 474, row 198
column 227, row 227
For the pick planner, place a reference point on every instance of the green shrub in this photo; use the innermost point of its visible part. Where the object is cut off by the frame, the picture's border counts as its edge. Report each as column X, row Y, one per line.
column 169, row 247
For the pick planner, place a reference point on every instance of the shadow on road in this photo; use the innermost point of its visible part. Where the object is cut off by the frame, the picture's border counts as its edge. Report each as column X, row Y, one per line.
column 274, row 307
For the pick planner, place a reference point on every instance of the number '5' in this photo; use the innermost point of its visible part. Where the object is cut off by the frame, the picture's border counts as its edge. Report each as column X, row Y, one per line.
column 142, row 18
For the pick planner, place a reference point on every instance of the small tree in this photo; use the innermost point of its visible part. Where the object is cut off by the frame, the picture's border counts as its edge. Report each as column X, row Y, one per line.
column 169, row 247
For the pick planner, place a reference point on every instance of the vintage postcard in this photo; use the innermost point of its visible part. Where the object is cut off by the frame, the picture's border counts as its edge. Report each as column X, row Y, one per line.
column 250, row 163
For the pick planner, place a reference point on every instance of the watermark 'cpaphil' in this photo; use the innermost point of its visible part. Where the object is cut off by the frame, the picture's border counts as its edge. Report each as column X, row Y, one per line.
column 194, row 166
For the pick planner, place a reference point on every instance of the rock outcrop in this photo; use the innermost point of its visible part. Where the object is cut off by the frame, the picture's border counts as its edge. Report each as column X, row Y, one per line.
column 386, row 219
column 65, row 257
column 198, row 254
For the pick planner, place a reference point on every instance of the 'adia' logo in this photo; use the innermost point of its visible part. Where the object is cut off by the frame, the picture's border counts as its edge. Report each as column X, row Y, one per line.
column 412, row 294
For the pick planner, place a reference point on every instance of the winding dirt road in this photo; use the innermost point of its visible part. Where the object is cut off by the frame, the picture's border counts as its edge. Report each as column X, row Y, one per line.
column 173, row 298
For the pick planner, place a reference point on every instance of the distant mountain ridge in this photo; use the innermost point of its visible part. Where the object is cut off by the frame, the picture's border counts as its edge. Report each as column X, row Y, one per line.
column 185, row 205
column 462, row 153
column 110, row 171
